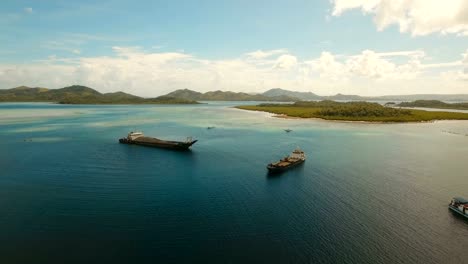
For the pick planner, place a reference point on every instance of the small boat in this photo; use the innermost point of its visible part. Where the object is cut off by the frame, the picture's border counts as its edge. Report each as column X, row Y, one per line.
column 210, row 127
column 288, row 130
column 297, row 157
column 138, row 138
column 460, row 206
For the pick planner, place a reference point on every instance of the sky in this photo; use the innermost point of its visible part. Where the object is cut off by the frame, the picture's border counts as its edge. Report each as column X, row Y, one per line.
column 149, row 48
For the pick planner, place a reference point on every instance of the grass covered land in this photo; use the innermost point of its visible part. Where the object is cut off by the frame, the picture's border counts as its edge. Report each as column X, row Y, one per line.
column 435, row 104
column 353, row 111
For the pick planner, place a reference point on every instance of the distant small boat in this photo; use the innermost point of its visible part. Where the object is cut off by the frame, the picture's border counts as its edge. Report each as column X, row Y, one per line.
column 288, row 130
column 210, row 127
column 460, row 206
column 297, row 157
column 138, row 138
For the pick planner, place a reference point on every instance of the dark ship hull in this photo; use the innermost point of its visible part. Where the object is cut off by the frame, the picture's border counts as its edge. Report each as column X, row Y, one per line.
column 276, row 169
column 460, row 206
column 458, row 211
column 158, row 143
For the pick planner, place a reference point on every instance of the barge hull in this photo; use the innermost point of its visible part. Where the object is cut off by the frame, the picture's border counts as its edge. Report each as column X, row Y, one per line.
column 456, row 210
column 153, row 142
column 272, row 169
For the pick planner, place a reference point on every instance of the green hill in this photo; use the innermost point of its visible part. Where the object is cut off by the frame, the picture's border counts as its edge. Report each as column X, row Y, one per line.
column 345, row 97
column 275, row 92
column 228, row 96
column 78, row 94
column 185, row 94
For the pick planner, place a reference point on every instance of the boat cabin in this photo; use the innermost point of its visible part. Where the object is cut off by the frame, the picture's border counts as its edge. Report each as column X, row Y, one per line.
column 459, row 205
column 134, row 135
column 459, row 200
column 297, row 154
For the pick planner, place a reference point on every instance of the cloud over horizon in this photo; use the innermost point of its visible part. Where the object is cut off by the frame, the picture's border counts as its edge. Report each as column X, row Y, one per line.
column 149, row 73
column 418, row 17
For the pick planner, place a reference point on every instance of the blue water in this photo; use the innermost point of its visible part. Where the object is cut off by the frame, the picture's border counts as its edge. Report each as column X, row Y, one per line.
column 368, row 193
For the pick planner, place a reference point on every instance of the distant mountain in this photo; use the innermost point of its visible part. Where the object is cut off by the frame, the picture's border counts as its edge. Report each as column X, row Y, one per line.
column 309, row 96
column 228, row 96
column 413, row 97
column 301, row 95
column 78, row 94
column 345, row 97
column 185, row 94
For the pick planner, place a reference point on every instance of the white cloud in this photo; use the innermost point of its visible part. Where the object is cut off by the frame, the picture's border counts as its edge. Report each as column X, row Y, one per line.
column 260, row 54
column 462, row 74
column 152, row 73
column 418, row 17
column 28, row 10
column 328, row 67
column 286, row 61
column 370, row 64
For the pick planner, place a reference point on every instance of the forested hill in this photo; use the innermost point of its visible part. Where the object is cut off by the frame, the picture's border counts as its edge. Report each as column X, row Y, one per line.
column 349, row 97
column 228, row 96
column 78, row 94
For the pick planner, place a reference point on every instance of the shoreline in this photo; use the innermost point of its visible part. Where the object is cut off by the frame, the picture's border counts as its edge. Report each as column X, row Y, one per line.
column 284, row 116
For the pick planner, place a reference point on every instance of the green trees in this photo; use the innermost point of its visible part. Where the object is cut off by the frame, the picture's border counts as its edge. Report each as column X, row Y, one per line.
column 361, row 109
column 435, row 104
column 354, row 111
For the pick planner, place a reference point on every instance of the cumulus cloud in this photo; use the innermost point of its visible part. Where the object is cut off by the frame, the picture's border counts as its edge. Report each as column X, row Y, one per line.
column 152, row 73
column 260, row 54
column 328, row 67
column 285, row 61
column 461, row 74
column 368, row 64
column 418, row 17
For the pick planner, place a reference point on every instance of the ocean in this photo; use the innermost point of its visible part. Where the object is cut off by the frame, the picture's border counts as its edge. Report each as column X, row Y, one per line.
column 368, row 193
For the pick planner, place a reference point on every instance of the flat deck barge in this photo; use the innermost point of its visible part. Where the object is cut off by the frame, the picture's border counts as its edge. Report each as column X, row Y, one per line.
column 459, row 205
column 138, row 138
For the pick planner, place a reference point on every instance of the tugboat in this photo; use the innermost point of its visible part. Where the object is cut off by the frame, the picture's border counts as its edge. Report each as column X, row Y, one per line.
column 459, row 205
column 138, row 138
column 297, row 157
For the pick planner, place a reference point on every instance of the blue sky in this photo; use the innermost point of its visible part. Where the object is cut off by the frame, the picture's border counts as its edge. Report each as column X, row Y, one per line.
column 68, row 36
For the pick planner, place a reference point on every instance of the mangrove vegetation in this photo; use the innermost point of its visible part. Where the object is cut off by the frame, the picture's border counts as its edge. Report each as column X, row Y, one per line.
column 435, row 104
column 353, row 111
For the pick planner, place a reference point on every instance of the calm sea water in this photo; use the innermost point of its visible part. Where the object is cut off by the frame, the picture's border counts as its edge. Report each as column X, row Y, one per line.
column 368, row 193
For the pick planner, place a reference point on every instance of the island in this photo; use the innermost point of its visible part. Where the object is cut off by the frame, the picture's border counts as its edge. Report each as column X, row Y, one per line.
column 353, row 111
column 435, row 104
column 78, row 94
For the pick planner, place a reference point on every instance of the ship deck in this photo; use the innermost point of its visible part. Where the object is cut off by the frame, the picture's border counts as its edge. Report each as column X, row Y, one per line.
column 155, row 140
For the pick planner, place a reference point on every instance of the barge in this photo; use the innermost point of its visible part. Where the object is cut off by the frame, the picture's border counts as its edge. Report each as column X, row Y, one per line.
column 297, row 157
column 138, row 138
column 459, row 205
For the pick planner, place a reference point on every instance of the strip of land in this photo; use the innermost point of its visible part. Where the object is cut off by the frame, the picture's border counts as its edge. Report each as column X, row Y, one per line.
column 435, row 104
column 354, row 111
